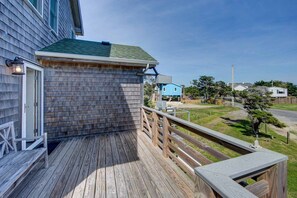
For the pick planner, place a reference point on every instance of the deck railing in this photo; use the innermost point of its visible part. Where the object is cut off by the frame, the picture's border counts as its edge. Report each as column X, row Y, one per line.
column 220, row 165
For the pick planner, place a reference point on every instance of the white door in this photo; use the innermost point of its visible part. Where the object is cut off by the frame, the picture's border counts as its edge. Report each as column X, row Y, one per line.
column 30, row 108
column 32, row 117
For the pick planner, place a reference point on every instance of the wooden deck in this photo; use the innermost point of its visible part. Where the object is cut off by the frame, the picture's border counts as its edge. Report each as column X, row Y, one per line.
column 110, row 165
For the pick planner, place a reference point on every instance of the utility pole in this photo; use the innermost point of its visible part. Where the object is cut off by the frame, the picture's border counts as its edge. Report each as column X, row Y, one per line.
column 232, row 85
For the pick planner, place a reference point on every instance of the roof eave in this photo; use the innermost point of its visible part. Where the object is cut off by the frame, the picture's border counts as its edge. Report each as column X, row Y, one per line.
column 77, row 17
column 98, row 59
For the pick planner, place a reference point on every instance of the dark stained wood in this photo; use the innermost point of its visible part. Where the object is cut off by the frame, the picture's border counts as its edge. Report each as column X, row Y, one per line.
column 200, row 145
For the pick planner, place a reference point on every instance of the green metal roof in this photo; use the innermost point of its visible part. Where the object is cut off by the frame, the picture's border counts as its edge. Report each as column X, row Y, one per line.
column 91, row 48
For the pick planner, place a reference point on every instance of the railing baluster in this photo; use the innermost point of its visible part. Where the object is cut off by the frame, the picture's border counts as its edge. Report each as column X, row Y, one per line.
column 165, row 136
column 220, row 179
column 154, row 129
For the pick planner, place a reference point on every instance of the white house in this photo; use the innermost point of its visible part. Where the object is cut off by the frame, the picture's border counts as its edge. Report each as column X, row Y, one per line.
column 241, row 86
column 278, row 92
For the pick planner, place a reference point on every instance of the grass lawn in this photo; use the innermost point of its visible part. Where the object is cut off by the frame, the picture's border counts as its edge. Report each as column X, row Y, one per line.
column 290, row 107
column 215, row 118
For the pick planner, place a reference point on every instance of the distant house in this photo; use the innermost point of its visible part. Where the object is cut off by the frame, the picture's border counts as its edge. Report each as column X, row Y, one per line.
column 171, row 90
column 241, row 86
column 278, row 92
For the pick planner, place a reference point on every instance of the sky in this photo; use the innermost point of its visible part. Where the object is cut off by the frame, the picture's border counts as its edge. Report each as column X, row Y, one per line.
column 191, row 38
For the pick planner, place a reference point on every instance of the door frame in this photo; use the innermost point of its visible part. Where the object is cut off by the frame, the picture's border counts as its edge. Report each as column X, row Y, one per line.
column 24, row 92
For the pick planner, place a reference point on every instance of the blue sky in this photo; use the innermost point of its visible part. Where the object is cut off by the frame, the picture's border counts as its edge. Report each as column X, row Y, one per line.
column 205, row 37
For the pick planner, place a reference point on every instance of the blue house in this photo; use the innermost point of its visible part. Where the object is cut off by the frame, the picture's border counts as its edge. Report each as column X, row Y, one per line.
column 170, row 90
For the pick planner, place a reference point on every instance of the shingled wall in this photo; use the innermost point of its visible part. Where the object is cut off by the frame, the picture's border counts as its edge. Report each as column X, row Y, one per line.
column 22, row 32
column 83, row 99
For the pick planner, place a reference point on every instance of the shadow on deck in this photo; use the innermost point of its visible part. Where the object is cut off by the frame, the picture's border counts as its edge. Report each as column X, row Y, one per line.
column 109, row 165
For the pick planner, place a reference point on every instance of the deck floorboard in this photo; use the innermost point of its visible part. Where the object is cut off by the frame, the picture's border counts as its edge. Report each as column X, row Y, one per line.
column 123, row 164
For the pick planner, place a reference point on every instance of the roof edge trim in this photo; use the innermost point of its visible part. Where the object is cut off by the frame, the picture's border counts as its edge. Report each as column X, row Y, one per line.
column 94, row 58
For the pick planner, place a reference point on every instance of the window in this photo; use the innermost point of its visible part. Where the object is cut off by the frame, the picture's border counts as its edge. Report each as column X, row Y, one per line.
column 54, row 15
column 280, row 91
column 175, row 89
column 164, row 89
column 37, row 4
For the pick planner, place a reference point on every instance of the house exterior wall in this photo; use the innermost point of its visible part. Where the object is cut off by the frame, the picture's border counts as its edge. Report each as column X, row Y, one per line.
column 22, row 32
column 240, row 88
column 171, row 90
column 278, row 92
column 83, row 99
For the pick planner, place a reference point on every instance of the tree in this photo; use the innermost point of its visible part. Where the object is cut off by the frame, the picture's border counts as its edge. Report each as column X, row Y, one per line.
column 192, row 91
column 149, row 87
column 222, row 89
column 292, row 89
column 257, row 103
column 205, row 85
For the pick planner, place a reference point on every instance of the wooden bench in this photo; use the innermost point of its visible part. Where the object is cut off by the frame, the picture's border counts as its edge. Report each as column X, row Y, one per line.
column 15, row 165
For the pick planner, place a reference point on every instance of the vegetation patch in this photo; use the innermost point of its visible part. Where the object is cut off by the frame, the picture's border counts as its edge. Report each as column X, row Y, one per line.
column 217, row 118
column 289, row 107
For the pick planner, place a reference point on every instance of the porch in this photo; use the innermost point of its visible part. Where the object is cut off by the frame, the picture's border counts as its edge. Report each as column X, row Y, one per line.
column 168, row 157
column 108, row 165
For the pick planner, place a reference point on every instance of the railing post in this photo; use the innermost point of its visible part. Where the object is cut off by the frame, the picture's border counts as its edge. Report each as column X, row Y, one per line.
column 141, row 119
column 165, row 136
column 155, row 129
column 202, row 190
column 276, row 177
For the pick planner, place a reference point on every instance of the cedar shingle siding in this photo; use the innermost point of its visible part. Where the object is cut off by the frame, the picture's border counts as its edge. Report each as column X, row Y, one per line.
column 83, row 98
column 22, row 32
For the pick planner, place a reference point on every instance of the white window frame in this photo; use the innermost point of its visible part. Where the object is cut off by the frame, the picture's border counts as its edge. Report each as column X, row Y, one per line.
column 35, row 9
column 38, row 68
column 49, row 16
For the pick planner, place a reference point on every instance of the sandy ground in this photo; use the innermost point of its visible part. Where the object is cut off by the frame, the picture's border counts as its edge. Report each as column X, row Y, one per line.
column 180, row 105
column 291, row 126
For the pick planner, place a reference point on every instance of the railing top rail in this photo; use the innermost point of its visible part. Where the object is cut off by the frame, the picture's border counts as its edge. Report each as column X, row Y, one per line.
column 228, row 139
column 220, row 175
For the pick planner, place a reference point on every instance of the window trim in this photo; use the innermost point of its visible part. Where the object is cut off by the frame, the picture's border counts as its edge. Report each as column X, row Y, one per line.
column 28, row 2
column 49, row 17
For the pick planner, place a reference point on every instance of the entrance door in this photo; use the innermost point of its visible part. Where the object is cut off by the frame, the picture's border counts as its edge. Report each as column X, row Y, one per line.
column 32, row 119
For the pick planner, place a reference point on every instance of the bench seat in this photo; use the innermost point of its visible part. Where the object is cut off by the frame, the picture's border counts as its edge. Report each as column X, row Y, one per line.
column 15, row 166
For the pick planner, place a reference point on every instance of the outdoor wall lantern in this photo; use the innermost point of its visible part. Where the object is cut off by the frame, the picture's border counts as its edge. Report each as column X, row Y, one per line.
column 17, row 66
